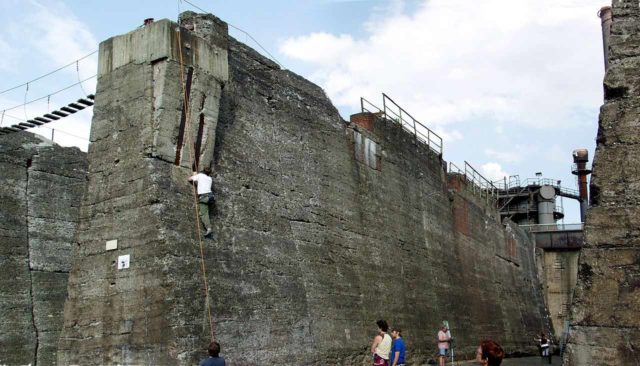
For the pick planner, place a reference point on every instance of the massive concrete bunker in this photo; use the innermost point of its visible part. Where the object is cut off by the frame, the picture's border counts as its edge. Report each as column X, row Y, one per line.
column 312, row 239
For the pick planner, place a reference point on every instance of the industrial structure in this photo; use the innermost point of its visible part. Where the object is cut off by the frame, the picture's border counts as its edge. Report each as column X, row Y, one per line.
column 532, row 204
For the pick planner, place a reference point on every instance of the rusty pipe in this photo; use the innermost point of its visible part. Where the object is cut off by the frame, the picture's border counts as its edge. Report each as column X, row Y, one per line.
column 580, row 160
column 606, row 18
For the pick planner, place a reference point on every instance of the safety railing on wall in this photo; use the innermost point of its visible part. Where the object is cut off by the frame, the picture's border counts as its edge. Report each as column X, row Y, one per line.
column 514, row 182
column 391, row 111
column 367, row 106
column 552, row 227
column 486, row 188
column 506, row 183
column 421, row 132
column 525, row 208
column 476, row 183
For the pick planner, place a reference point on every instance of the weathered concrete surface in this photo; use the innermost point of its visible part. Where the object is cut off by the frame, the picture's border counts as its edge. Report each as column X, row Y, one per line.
column 558, row 271
column 606, row 322
column 315, row 238
column 142, row 145
column 314, row 244
column 41, row 187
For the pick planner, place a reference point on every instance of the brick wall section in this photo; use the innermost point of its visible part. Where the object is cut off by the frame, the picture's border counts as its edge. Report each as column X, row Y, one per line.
column 364, row 120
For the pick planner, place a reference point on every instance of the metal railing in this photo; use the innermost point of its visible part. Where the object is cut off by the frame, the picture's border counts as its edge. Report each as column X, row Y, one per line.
column 515, row 182
column 367, row 106
column 525, row 208
column 391, row 111
column 477, row 183
column 506, row 183
column 421, row 132
column 536, row 228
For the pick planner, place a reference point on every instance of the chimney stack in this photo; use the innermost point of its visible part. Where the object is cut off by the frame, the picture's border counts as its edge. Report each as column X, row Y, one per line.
column 580, row 160
column 607, row 19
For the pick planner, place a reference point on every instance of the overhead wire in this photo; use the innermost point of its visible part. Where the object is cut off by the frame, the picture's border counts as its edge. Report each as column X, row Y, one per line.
column 48, row 95
column 80, row 81
column 241, row 30
column 49, row 73
column 24, row 104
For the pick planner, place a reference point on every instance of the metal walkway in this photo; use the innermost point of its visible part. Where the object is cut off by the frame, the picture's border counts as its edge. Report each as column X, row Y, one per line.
column 55, row 115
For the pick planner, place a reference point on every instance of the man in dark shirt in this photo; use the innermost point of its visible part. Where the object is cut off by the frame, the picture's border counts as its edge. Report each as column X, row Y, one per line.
column 396, row 357
column 214, row 359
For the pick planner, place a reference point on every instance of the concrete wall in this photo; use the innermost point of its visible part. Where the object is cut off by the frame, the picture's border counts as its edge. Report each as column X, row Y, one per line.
column 321, row 226
column 606, row 326
column 142, row 148
column 41, row 187
column 559, row 274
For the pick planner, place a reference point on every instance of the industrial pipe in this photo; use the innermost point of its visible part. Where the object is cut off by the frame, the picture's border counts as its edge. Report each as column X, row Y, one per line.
column 546, row 205
column 580, row 160
column 606, row 18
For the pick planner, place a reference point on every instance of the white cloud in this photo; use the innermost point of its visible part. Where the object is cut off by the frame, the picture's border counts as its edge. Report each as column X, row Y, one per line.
column 529, row 62
column 58, row 37
column 493, row 171
column 513, row 153
column 50, row 36
column 321, row 48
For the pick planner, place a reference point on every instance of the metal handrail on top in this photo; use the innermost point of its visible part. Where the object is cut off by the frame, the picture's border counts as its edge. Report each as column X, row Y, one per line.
column 421, row 132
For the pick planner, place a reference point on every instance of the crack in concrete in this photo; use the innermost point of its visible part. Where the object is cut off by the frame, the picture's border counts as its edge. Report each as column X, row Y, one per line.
column 33, row 312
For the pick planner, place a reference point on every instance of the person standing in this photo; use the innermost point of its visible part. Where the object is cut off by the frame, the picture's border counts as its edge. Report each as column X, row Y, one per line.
column 214, row 358
column 544, row 344
column 443, row 344
column 205, row 196
column 397, row 348
column 381, row 345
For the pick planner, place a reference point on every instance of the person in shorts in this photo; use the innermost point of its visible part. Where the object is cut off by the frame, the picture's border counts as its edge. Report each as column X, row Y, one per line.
column 443, row 345
column 381, row 345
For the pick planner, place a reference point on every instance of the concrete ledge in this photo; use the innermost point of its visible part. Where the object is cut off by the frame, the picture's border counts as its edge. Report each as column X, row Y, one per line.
column 158, row 41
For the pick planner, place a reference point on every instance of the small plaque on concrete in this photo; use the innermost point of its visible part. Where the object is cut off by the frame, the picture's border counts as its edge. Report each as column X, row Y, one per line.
column 123, row 261
column 111, row 245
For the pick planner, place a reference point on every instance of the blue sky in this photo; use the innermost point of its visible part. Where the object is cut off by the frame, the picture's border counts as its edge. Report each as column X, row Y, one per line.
column 512, row 86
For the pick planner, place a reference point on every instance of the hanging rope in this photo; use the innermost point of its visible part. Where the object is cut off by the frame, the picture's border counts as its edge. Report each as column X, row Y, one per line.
column 24, row 104
column 79, row 81
column 47, row 96
column 247, row 34
column 195, row 193
column 47, row 74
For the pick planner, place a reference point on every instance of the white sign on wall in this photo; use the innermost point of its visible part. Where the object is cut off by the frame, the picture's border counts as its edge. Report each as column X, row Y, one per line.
column 111, row 245
column 123, row 261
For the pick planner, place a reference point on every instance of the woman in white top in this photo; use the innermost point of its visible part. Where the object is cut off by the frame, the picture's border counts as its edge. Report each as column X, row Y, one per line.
column 381, row 345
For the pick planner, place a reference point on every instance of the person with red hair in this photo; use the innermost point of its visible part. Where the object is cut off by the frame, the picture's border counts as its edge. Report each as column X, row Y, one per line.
column 489, row 353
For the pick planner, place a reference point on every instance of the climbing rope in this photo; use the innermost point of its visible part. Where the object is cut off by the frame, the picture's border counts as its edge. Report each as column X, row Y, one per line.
column 195, row 194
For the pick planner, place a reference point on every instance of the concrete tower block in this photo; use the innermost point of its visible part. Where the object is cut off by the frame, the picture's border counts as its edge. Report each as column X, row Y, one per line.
column 605, row 326
column 145, row 140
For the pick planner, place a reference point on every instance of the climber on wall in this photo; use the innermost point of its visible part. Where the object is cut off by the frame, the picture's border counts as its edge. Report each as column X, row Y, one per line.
column 205, row 196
